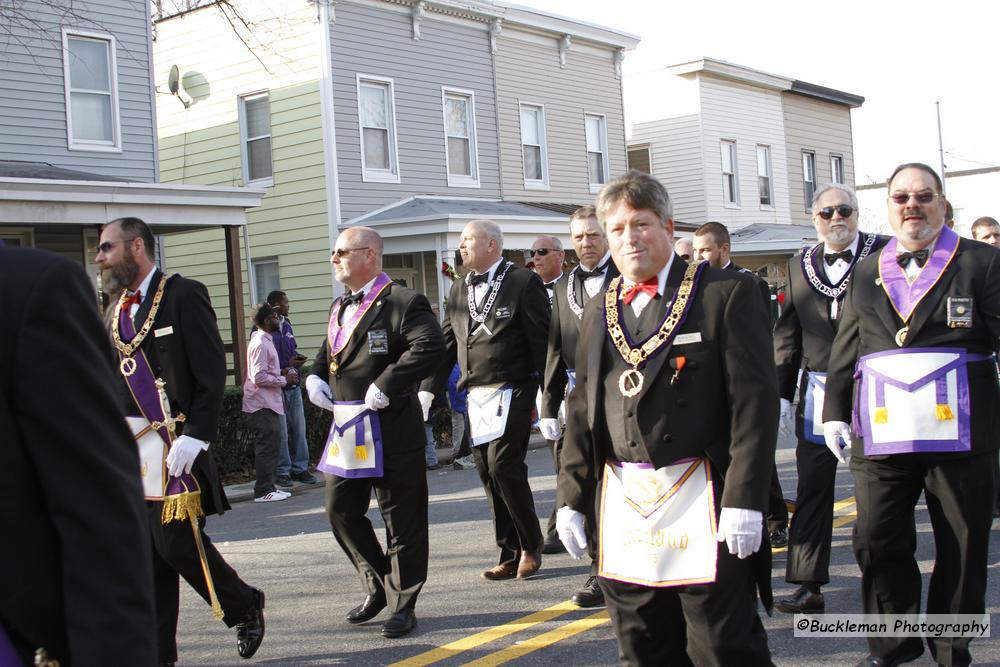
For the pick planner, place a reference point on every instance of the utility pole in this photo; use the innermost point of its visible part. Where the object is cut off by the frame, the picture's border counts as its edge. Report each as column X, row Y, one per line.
column 940, row 147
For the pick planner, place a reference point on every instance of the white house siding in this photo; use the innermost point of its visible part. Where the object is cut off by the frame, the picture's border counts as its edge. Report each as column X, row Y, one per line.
column 33, row 114
column 821, row 127
column 527, row 70
column 750, row 116
column 378, row 41
column 676, row 154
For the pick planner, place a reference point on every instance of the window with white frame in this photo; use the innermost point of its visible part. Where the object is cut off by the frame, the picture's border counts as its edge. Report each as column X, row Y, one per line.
column 808, row 177
column 597, row 150
column 90, row 74
column 536, row 172
column 730, row 184
column 837, row 168
column 460, row 137
column 266, row 278
column 377, row 120
column 255, row 136
column 764, row 176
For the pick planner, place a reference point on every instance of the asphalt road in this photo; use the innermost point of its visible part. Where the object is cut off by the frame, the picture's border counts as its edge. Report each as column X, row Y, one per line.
column 287, row 550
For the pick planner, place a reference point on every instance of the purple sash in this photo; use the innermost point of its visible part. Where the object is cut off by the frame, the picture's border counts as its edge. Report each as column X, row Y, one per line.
column 358, row 424
column 9, row 657
column 337, row 335
column 904, row 295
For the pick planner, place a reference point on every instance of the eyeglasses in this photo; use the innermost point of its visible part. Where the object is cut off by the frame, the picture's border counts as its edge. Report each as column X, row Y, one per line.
column 340, row 253
column 542, row 252
column 827, row 212
column 921, row 197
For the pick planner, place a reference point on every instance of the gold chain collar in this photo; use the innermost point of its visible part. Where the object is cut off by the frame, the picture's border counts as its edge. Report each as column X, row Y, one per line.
column 128, row 349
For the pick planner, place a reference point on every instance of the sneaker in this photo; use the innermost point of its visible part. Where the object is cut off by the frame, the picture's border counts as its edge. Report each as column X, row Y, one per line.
column 272, row 497
column 283, row 493
column 284, row 480
column 305, row 477
column 463, row 463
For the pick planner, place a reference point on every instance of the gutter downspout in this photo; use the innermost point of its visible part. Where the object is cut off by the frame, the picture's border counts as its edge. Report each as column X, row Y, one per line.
column 328, row 124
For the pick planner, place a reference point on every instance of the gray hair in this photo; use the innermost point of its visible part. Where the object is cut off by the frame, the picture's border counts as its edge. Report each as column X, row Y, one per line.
column 491, row 229
column 823, row 189
column 556, row 243
column 637, row 189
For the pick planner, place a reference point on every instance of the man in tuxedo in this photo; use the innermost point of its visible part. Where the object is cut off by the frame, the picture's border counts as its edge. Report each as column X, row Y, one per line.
column 172, row 325
column 547, row 257
column 814, row 299
column 712, row 244
column 75, row 578
column 383, row 339
column 919, row 330
column 496, row 326
column 675, row 397
column 587, row 280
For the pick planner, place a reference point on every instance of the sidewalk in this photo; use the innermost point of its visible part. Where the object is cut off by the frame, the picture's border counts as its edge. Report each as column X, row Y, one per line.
column 240, row 493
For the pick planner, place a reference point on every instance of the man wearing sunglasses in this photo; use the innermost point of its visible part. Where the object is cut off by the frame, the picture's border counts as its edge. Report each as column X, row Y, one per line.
column 547, row 257
column 814, row 296
column 914, row 355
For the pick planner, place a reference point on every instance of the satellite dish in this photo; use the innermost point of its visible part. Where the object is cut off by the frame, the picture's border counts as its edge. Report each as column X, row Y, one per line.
column 173, row 81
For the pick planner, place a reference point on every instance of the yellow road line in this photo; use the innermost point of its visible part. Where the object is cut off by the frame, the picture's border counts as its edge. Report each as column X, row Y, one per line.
column 520, row 649
column 491, row 634
column 841, row 521
column 841, row 504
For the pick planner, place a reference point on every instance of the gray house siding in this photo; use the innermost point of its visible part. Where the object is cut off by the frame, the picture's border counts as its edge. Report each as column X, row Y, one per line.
column 676, row 153
column 378, row 42
column 33, row 118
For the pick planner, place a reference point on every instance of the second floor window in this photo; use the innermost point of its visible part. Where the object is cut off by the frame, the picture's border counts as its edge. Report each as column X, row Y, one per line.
column 91, row 92
column 764, row 175
column 837, row 169
column 376, row 115
column 460, row 136
column 255, row 130
column 808, row 177
column 533, row 146
column 730, row 189
column 597, row 151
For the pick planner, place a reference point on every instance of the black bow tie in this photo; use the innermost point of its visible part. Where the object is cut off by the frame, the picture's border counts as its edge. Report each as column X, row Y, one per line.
column 354, row 298
column 832, row 257
column 479, row 278
column 584, row 274
column 904, row 258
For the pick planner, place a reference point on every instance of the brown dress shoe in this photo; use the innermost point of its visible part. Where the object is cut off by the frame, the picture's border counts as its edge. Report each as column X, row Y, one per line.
column 530, row 562
column 502, row 571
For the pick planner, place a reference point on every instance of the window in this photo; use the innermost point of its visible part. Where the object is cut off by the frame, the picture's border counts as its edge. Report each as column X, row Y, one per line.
column 460, row 137
column 266, row 280
column 536, row 172
column 837, row 168
column 640, row 159
column 377, row 119
column 255, row 136
column 808, row 177
column 764, row 175
column 730, row 185
column 91, row 85
column 597, row 151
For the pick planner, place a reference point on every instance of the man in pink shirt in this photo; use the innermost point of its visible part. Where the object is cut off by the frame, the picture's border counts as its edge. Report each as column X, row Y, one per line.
column 263, row 403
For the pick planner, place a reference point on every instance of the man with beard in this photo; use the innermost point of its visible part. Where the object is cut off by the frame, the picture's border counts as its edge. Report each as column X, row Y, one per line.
column 588, row 279
column 165, row 329
column 914, row 355
column 814, row 299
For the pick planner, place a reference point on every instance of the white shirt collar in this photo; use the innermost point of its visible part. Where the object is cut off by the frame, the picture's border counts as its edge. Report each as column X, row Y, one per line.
column 144, row 285
column 661, row 276
column 827, row 250
column 367, row 286
column 492, row 270
column 601, row 262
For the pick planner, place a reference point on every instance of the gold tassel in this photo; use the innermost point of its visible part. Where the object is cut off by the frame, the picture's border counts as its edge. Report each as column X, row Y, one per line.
column 361, row 453
column 881, row 415
column 182, row 507
column 943, row 412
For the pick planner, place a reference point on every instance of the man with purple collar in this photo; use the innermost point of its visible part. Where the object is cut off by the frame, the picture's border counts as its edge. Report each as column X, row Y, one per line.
column 919, row 329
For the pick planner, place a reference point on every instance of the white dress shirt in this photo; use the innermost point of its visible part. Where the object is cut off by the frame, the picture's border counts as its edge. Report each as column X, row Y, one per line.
column 144, row 292
column 352, row 308
column 836, row 272
column 594, row 283
column 479, row 291
column 641, row 299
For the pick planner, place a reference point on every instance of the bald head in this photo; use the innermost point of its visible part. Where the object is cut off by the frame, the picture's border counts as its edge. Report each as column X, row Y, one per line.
column 481, row 245
column 357, row 256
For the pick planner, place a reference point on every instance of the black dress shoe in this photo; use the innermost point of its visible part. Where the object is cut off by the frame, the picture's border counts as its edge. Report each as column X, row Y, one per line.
column 553, row 545
column 875, row 661
column 250, row 633
column 368, row 609
column 400, row 624
column 779, row 538
column 802, row 601
column 590, row 595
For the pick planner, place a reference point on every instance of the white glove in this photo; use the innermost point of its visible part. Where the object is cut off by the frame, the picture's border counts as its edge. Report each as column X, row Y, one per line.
column 549, row 428
column 570, row 527
column 834, row 433
column 426, row 398
column 375, row 399
column 182, row 454
column 741, row 530
column 786, row 418
column 319, row 392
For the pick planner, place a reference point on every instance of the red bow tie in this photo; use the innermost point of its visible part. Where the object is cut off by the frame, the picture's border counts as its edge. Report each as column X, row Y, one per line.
column 650, row 287
column 135, row 298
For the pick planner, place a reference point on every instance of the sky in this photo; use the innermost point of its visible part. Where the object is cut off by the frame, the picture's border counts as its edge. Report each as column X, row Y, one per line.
column 902, row 57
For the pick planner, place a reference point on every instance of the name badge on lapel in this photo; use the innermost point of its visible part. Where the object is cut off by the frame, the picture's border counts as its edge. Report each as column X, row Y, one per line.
column 378, row 341
column 502, row 312
column 960, row 312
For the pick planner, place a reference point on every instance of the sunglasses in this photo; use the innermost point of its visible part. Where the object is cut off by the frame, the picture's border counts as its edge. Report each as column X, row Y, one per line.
column 827, row 212
column 542, row 252
column 344, row 252
column 921, row 197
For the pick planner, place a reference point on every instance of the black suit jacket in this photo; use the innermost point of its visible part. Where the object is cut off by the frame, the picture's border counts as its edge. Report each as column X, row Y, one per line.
column 519, row 322
column 870, row 325
column 75, row 575
column 762, row 287
column 724, row 404
column 415, row 348
column 804, row 333
column 564, row 334
column 192, row 361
